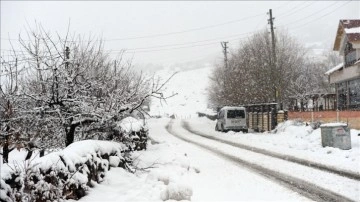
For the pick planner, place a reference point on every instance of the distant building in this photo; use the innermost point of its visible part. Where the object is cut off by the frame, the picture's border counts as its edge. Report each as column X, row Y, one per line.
column 346, row 76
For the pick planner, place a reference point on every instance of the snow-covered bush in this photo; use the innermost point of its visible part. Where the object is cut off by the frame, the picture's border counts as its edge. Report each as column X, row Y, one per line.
column 63, row 175
column 132, row 132
column 177, row 192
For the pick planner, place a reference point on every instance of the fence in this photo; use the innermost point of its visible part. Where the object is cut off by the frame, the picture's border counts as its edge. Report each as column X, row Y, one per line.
column 263, row 117
column 350, row 117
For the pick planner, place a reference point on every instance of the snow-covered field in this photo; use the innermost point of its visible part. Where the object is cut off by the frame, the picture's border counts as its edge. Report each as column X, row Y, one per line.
column 191, row 97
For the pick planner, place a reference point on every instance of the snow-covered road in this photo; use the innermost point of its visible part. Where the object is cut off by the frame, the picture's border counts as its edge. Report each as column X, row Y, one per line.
column 316, row 184
column 180, row 166
column 174, row 166
column 310, row 163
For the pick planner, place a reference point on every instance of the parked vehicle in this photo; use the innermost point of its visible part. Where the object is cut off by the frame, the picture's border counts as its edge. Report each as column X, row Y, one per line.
column 232, row 118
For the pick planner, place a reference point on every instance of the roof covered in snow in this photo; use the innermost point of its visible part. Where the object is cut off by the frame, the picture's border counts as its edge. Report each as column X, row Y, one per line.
column 336, row 68
column 350, row 28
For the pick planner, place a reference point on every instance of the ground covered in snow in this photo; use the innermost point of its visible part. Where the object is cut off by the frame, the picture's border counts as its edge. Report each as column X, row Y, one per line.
column 173, row 169
column 292, row 138
column 190, row 89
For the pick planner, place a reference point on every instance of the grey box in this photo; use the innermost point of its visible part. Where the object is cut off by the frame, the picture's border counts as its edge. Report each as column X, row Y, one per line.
column 336, row 135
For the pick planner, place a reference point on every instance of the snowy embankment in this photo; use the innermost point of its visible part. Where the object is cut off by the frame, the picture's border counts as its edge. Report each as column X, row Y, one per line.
column 291, row 138
column 69, row 173
column 61, row 175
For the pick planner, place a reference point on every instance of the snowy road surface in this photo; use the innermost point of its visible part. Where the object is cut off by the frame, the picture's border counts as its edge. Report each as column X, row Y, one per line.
column 180, row 164
column 310, row 163
column 316, row 184
column 176, row 166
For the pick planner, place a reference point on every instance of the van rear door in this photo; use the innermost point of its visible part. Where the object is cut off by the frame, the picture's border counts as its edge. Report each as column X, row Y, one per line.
column 236, row 117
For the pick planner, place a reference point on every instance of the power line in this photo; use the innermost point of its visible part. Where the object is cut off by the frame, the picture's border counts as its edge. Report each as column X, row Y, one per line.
column 290, row 10
column 322, row 15
column 297, row 10
column 315, row 13
column 174, row 33
column 182, row 45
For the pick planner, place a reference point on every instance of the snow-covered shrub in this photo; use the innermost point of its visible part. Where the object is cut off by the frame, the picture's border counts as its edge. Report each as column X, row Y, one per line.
column 132, row 132
column 177, row 192
column 67, row 174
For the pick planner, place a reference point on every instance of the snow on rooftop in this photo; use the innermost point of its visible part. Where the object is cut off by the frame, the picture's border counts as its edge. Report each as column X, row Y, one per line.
column 337, row 67
column 232, row 107
column 352, row 30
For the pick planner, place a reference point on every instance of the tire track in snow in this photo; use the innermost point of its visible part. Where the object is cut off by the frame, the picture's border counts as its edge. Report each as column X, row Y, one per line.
column 340, row 172
column 302, row 187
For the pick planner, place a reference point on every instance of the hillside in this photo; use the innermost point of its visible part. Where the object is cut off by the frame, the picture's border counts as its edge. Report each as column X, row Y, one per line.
column 191, row 88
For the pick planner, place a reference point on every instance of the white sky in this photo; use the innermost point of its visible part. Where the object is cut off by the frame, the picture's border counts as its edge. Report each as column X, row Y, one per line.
column 313, row 23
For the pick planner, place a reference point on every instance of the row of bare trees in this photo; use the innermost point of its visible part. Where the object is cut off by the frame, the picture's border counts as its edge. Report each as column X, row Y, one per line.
column 252, row 78
column 55, row 90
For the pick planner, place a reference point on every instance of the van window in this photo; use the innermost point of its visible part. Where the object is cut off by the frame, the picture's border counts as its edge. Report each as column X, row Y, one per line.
column 235, row 114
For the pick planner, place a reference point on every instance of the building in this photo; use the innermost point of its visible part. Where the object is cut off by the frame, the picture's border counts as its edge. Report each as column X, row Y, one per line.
column 346, row 76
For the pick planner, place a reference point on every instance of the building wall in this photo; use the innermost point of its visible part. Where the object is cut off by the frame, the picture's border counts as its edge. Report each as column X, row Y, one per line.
column 345, row 74
column 351, row 117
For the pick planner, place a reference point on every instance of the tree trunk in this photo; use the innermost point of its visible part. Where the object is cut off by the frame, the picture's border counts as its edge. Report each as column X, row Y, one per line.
column 70, row 135
column 6, row 153
column 42, row 152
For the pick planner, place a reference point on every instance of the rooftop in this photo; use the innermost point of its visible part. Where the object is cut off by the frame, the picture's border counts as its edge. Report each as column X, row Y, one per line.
column 351, row 28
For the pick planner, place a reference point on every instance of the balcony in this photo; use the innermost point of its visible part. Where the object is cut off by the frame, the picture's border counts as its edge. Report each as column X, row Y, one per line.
column 350, row 58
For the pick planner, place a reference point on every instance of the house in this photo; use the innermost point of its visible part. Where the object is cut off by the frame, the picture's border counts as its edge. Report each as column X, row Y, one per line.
column 346, row 76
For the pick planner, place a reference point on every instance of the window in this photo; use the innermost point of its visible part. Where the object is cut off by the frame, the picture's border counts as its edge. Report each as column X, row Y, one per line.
column 354, row 90
column 350, row 55
column 341, row 88
column 233, row 114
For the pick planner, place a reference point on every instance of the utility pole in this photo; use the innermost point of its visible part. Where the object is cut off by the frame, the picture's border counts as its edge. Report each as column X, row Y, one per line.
column 225, row 47
column 67, row 57
column 273, row 59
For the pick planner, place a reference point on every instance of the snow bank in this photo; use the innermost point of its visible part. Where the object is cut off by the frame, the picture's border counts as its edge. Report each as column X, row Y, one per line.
column 177, row 192
column 66, row 174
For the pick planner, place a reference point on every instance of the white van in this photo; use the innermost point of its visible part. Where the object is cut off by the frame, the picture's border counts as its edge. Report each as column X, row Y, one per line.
column 232, row 118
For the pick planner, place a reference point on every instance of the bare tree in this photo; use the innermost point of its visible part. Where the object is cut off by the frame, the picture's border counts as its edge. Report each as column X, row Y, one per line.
column 252, row 78
column 69, row 89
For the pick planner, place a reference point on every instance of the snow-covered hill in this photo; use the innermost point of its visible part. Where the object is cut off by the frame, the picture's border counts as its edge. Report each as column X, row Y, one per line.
column 191, row 88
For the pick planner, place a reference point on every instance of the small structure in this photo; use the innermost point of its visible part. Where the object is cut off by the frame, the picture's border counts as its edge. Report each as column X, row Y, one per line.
column 336, row 135
column 346, row 76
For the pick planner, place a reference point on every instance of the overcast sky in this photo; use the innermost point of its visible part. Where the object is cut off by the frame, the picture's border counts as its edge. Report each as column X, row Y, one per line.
column 176, row 32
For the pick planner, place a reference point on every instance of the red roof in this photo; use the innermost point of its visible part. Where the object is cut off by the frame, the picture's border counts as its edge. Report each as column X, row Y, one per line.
column 352, row 37
column 350, row 23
